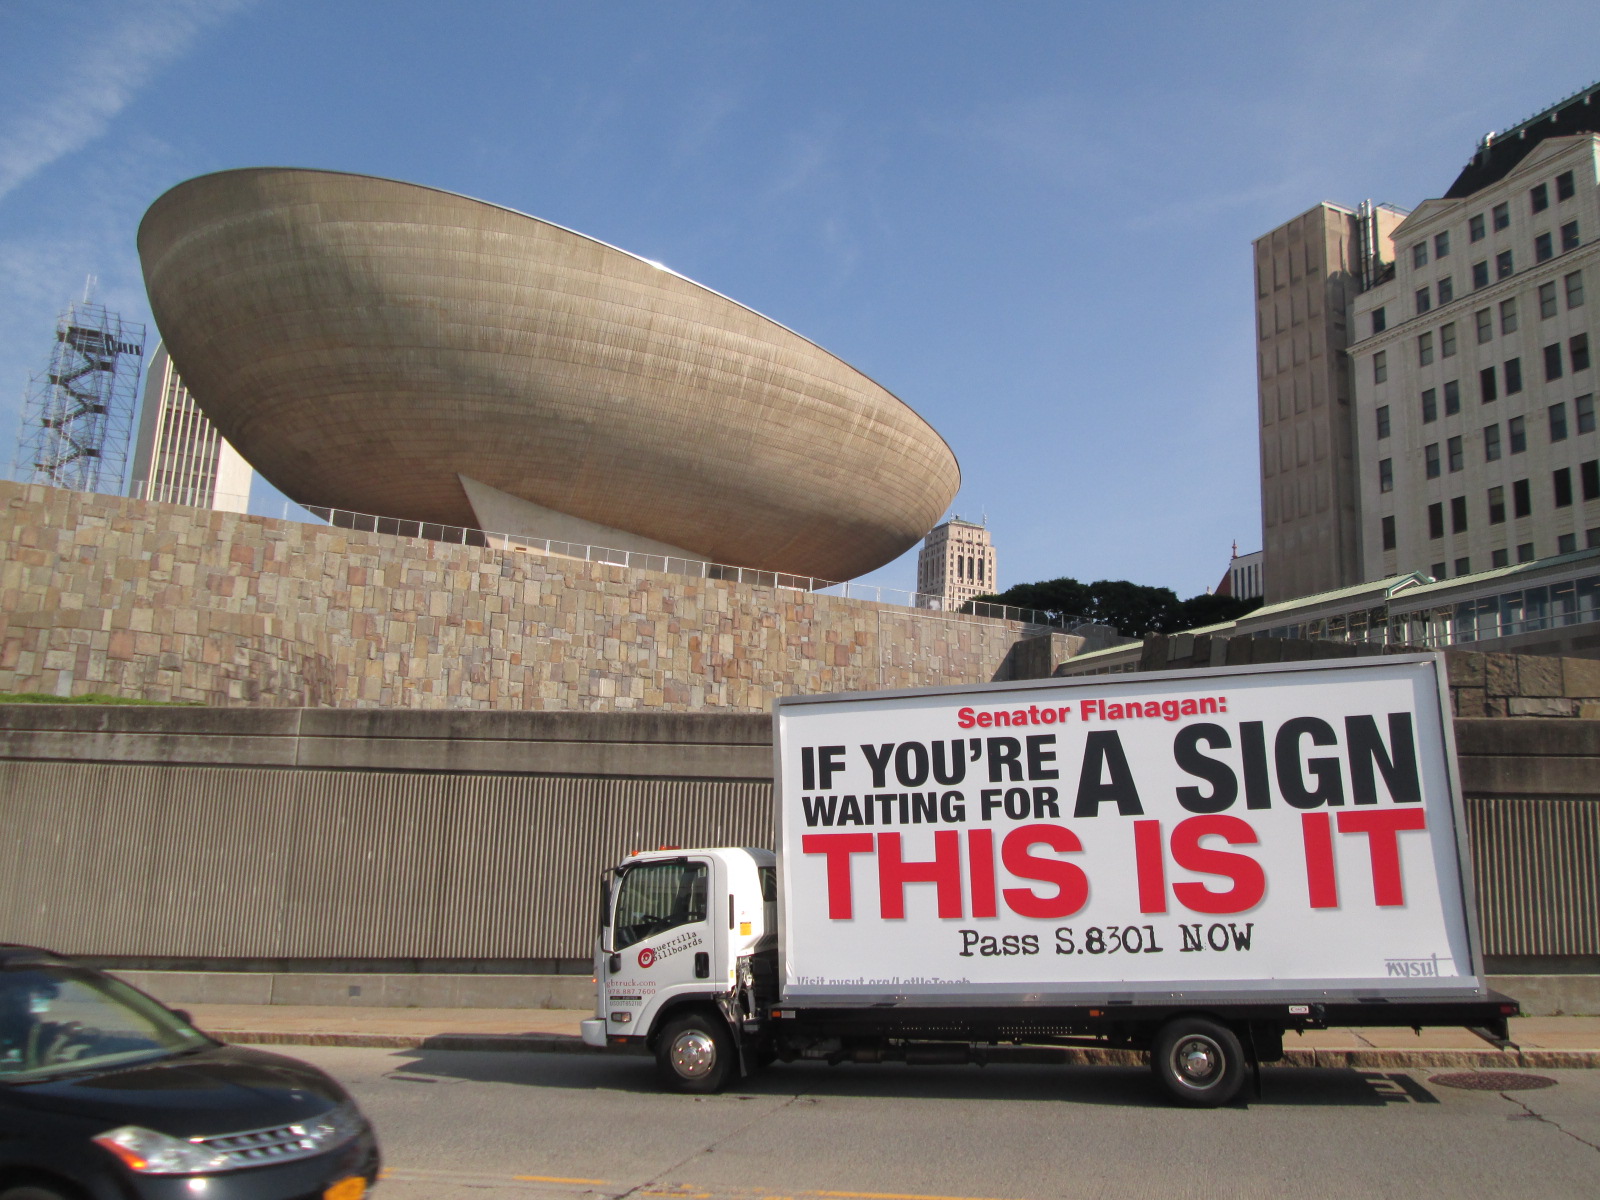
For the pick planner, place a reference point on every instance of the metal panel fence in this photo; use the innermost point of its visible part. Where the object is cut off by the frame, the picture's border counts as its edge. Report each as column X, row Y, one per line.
column 1538, row 871
column 243, row 862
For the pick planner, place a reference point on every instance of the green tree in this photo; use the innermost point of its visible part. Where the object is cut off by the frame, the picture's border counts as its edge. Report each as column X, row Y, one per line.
column 1133, row 609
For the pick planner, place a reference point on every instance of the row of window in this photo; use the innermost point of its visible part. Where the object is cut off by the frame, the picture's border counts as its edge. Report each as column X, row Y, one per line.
column 1577, row 359
column 1548, row 294
column 1538, row 201
column 1516, row 429
column 1445, row 289
column 1521, row 501
column 1566, row 543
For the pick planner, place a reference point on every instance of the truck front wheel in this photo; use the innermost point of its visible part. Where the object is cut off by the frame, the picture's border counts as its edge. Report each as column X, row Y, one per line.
column 1199, row 1061
column 695, row 1053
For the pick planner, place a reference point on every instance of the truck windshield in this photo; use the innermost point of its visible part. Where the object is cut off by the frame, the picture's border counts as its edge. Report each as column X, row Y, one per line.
column 654, row 897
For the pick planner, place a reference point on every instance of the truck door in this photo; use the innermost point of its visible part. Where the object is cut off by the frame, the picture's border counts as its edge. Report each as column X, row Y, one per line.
column 661, row 940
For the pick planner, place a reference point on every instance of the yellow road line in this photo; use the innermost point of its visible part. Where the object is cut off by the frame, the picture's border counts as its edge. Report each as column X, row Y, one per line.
column 555, row 1179
column 889, row 1196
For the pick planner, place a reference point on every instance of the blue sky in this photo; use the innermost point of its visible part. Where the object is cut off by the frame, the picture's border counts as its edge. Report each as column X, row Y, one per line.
column 1031, row 221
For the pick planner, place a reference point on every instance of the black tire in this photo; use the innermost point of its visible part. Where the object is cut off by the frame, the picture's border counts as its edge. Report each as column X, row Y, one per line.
column 1198, row 1061
column 695, row 1053
column 32, row 1191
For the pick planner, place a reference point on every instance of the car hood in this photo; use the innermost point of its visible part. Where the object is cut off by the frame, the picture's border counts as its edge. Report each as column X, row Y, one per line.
column 221, row 1089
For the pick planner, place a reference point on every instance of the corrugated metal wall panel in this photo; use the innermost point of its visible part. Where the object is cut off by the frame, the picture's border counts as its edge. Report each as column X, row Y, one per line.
column 225, row 862
column 1537, row 864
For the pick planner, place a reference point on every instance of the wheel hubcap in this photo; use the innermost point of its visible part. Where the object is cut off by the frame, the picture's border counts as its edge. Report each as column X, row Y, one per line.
column 1197, row 1061
column 693, row 1053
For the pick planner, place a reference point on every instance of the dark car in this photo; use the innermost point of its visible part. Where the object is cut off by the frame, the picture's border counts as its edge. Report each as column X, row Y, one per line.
column 105, row 1094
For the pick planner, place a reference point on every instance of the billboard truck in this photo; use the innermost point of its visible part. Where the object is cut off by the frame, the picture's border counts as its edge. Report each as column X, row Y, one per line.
column 1188, row 863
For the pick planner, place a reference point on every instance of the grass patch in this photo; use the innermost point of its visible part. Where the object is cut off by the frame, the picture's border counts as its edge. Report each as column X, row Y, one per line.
column 91, row 698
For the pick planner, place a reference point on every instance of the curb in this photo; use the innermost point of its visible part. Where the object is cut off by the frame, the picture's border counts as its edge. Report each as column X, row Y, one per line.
column 558, row 1043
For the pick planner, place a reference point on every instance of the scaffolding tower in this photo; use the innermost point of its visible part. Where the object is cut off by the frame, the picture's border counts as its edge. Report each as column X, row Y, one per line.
column 77, row 415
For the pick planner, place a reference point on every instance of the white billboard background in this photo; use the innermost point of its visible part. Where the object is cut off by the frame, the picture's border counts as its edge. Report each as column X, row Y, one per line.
column 1279, row 944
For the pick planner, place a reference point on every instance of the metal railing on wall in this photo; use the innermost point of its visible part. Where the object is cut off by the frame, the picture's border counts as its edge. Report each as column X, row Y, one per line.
column 638, row 560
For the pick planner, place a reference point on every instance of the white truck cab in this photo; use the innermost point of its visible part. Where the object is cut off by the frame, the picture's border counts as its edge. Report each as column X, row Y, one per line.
column 676, row 962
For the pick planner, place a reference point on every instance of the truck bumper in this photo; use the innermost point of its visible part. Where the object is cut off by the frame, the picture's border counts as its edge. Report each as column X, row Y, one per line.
column 594, row 1032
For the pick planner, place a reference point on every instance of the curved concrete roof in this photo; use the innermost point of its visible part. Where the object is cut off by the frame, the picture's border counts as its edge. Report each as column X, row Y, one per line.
column 365, row 343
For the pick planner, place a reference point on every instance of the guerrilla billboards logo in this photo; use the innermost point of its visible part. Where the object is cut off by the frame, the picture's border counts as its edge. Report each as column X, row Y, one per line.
column 1014, row 847
column 1413, row 968
column 673, row 945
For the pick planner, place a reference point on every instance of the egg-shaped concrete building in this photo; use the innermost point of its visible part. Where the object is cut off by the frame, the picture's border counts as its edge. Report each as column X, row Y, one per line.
column 392, row 349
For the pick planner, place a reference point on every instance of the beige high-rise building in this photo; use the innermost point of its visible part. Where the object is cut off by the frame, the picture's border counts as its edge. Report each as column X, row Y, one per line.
column 1308, row 271
column 1474, row 376
column 956, row 563
column 179, row 457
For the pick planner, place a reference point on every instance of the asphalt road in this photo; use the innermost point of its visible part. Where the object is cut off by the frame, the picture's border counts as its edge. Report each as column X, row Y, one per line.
column 484, row 1125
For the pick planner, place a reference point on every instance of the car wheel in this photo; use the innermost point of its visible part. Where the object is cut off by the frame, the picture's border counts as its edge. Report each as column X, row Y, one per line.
column 1199, row 1061
column 33, row 1191
column 695, row 1053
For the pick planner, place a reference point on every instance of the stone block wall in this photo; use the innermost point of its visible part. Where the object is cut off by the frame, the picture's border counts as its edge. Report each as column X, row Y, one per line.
column 110, row 595
column 1523, row 685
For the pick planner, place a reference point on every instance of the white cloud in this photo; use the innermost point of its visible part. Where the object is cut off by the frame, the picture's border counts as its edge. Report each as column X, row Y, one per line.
column 108, row 68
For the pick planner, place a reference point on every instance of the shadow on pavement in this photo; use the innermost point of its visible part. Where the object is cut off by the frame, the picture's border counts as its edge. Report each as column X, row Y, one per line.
column 1104, row 1086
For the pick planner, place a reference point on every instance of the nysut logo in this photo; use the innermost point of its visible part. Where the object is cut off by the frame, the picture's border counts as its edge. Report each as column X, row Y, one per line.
column 646, row 957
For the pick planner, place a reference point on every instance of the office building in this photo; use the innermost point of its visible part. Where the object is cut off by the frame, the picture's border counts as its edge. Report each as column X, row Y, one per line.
column 955, row 564
column 179, row 457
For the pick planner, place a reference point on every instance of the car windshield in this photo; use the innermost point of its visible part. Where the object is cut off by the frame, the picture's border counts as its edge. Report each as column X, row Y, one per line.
column 55, row 1019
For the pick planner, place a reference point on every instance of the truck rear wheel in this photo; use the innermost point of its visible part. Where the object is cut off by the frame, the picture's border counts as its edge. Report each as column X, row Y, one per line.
column 1199, row 1061
column 695, row 1053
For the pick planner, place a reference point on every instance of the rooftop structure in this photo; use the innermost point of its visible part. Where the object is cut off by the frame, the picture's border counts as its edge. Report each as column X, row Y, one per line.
column 385, row 348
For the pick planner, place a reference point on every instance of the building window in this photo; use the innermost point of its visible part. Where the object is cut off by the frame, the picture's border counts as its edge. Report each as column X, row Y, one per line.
column 1498, row 559
column 1497, row 506
column 1561, row 485
column 1435, row 522
column 1491, row 443
column 1447, row 289
column 1502, row 265
column 1564, row 188
column 1441, row 244
column 1480, row 275
column 1508, row 315
column 1521, row 499
column 1578, row 350
column 1423, row 302
column 1452, row 398
column 1575, row 290
column 1544, row 248
column 1458, row 514
column 1388, row 533
column 1447, row 340
column 1379, row 321
column 1589, row 476
column 1475, row 231
column 1486, row 385
column 1502, row 216
column 1558, row 422
column 1437, row 570
column 1583, row 409
column 1552, row 362
column 1419, row 254
column 1517, row 428
column 1424, row 349
column 1525, row 552
column 1386, row 475
column 1453, row 454
column 1539, row 195
column 1566, row 543
column 1430, row 405
column 1513, row 376
column 1383, row 421
column 1485, row 325
column 1547, row 300
column 1380, row 366
column 1430, row 458
column 1569, row 239
column 1463, row 566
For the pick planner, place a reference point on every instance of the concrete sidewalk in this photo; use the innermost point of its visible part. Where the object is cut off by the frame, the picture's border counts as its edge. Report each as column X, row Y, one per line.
column 1546, row 1042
